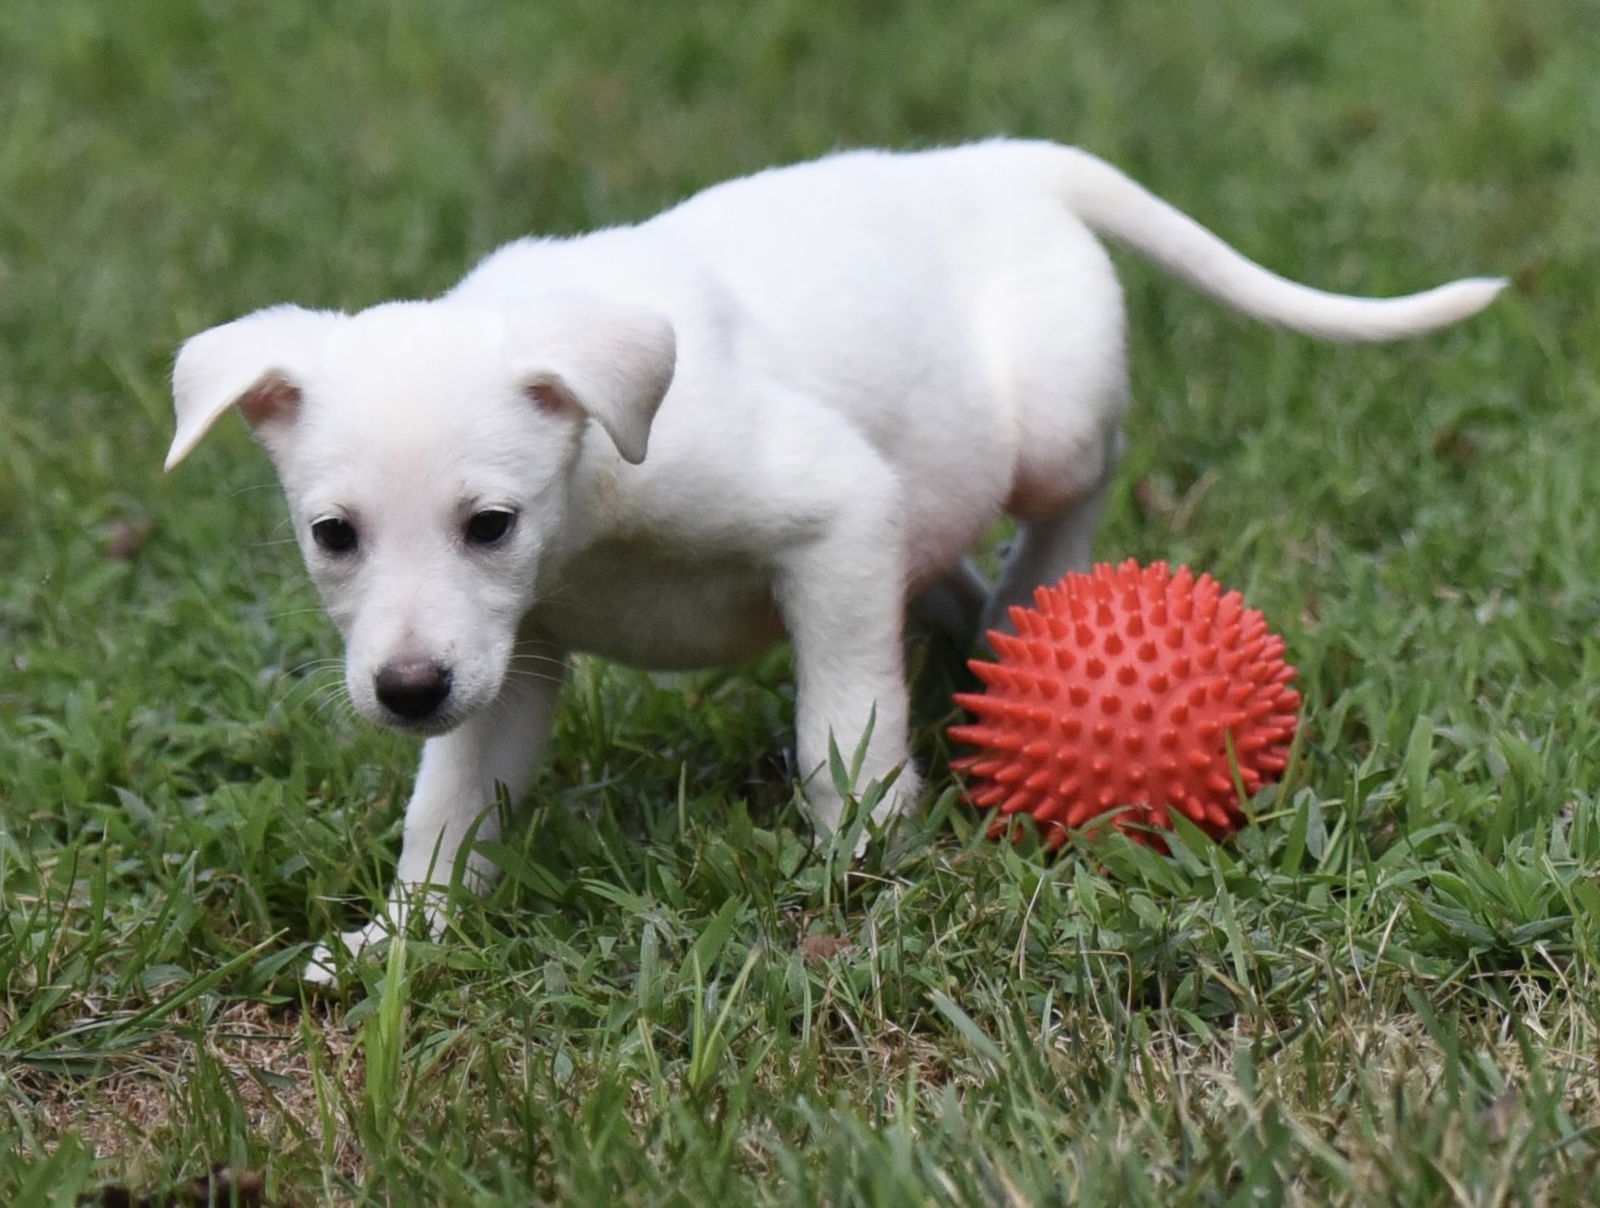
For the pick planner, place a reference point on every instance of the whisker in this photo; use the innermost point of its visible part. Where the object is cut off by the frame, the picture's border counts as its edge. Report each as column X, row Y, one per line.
column 252, row 488
column 294, row 612
column 311, row 666
column 324, row 698
column 314, row 680
column 537, row 659
column 524, row 675
column 336, row 700
column 303, row 677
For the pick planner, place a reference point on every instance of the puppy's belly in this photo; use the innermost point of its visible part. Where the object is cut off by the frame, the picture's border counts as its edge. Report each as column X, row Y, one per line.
column 658, row 613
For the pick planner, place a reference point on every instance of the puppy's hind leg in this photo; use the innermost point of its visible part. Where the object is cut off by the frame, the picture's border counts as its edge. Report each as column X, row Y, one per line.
column 951, row 607
column 1061, row 376
column 1046, row 548
column 941, row 632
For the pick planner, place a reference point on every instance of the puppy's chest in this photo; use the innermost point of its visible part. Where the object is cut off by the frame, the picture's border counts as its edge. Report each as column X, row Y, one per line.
column 639, row 606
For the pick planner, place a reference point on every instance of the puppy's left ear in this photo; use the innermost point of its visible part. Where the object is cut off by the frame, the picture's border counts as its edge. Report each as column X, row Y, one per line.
column 256, row 364
column 606, row 361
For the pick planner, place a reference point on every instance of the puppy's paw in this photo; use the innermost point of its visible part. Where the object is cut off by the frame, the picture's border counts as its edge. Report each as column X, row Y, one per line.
column 407, row 903
column 320, row 969
column 898, row 800
column 327, row 960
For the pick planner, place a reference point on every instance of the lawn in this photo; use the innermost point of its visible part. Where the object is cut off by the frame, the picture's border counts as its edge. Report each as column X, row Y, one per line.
column 1385, row 992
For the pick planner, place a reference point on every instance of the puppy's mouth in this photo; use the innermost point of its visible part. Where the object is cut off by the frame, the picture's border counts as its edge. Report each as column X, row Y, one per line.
column 426, row 727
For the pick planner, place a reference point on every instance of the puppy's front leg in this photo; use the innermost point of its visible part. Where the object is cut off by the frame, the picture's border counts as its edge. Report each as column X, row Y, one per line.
column 457, row 789
column 843, row 600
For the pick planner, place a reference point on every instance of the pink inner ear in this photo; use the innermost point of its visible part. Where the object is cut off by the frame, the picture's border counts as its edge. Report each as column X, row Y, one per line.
column 269, row 401
column 550, row 395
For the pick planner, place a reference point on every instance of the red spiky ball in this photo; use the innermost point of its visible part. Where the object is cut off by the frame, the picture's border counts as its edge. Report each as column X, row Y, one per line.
column 1120, row 691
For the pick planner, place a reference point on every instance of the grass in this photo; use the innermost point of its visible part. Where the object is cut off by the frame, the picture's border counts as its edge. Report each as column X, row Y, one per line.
column 1384, row 993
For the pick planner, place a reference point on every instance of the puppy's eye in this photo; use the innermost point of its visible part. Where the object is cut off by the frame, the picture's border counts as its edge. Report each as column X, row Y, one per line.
column 488, row 526
column 334, row 535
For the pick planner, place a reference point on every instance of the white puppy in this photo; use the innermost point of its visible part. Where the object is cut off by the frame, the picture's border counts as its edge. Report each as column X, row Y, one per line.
column 785, row 408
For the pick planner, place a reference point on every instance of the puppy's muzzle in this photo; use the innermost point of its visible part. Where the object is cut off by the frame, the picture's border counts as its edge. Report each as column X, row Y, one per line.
column 412, row 689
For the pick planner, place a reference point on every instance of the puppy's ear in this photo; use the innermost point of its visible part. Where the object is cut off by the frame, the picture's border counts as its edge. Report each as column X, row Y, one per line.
column 610, row 362
column 256, row 364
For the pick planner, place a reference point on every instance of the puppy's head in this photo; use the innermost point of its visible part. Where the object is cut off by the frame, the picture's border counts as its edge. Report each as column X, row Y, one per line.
column 427, row 453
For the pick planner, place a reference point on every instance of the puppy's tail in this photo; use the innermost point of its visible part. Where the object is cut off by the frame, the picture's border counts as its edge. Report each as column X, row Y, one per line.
column 1116, row 207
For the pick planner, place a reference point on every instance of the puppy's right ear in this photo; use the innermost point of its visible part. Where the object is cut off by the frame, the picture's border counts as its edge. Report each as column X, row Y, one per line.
column 256, row 363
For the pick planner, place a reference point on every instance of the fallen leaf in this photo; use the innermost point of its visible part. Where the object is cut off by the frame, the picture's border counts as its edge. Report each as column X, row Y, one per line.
column 822, row 947
column 126, row 538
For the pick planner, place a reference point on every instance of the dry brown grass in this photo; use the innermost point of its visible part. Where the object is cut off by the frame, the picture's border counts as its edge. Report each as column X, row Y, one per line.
column 290, row 1075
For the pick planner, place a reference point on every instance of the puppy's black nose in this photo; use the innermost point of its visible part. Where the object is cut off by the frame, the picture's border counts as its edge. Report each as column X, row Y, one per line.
column 412, row 688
